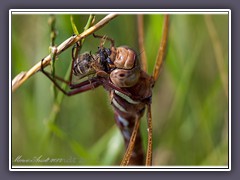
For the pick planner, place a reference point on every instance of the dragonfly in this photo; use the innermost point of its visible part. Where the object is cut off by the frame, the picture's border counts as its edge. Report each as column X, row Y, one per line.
column 119, row 71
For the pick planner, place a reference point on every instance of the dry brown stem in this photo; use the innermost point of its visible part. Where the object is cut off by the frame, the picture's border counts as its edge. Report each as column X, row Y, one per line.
column 162, row 48
column 141, row 42
column 218, row 51
column 23, row 76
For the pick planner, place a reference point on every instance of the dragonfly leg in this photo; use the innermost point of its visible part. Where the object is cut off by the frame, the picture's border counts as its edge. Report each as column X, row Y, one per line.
column 109, row 85
column 149, row 145
column 76, row 88
column 104, row 37
column 162, row 49
column 75, row 51
column 128, row 153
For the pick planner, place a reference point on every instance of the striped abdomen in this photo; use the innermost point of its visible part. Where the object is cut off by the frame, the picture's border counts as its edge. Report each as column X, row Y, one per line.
column 126, row 112
column 82, row 66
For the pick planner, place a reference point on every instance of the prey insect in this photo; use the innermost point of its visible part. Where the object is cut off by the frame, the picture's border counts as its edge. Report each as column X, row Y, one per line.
column 119, row 71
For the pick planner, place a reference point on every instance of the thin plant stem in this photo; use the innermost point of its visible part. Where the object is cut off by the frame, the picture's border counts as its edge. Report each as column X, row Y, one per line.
column 52, row 48
column 141, row 42
column 218, row 51
column 53, row 34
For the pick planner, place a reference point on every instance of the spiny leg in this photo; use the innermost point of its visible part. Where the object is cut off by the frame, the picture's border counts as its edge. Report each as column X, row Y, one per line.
column 130, row 147
column 75, row 51
column 105, row 37
column 162, row 49
column 77, row 88
column 143, row 57
column 149, row 145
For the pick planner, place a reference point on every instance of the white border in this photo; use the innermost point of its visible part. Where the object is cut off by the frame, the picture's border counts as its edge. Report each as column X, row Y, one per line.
column 10, row 91
column 229, row 89
column 120, row 11
column 118, row 168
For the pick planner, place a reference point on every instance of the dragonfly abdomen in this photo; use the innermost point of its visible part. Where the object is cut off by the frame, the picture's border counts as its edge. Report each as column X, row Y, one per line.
column 126, row 112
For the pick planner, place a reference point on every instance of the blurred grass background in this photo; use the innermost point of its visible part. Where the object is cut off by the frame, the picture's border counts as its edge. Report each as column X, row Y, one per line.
column 190, row 102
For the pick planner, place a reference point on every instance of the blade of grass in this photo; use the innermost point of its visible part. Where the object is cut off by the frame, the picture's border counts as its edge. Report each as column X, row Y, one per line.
column 218, row 51
column 111, row 144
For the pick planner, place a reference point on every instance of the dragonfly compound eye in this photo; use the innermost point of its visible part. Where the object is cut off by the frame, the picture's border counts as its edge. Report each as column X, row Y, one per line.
column 125, row 58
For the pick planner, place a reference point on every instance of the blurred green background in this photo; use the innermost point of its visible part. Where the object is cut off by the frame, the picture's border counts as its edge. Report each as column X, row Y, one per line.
column 190, row 99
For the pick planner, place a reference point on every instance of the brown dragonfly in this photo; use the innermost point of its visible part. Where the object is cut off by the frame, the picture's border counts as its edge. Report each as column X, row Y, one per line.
column 119, row 70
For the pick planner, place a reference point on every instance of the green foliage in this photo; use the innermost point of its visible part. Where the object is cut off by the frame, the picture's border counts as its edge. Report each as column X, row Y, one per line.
column 190, row 106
